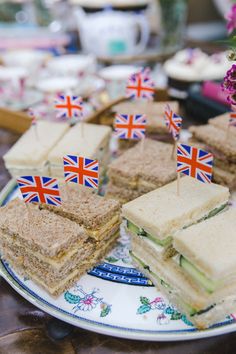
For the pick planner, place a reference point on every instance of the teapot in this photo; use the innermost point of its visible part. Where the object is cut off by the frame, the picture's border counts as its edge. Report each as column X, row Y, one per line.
column 109, row 33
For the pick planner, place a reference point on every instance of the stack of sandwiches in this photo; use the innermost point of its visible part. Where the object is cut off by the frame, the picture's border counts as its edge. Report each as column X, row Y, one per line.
column 142, row 168
column 155, row 128
column 53, row 248
column 88, row 140
column 29, row 155
column 184, row 244
column 215, row 137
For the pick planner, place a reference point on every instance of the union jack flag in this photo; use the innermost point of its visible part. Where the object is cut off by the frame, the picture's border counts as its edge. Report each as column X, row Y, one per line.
column 37, row 189
column 32, row 115
column 69, row 106
column 173, row 122
column 81, row 170
column 194, row 162
column 232, row 119
column 130, row 126
column 140, row 85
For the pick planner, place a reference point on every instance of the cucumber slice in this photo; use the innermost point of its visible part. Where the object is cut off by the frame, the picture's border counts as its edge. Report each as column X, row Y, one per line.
column 133, row 228
column 208, row 284
column 140, row 232
column 164, row 243
column 216, row 211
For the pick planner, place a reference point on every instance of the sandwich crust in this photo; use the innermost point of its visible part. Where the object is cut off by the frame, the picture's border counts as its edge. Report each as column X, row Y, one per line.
column 214, row 138
column 210, row 246
column 162, row 212
column 40, row 230
column 85, row 207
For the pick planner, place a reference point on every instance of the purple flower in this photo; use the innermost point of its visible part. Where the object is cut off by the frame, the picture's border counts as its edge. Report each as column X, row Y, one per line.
column 231, row 19
column 229, row 84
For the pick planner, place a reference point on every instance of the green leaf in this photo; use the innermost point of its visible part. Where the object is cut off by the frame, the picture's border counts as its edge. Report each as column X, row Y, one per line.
column 186, row 321
column 111, row 259
column 144, row 300
column 143, row 309
column 71, row 298
column 105, row 311
column 176, row 316
column 169, row 310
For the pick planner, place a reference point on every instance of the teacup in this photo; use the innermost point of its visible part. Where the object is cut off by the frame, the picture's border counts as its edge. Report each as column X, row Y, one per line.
column 28, row 58
column 72, row 64
column 115, row 77
column 56, row 85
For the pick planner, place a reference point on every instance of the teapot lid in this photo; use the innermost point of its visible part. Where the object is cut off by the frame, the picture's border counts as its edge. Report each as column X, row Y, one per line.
column 93, row 5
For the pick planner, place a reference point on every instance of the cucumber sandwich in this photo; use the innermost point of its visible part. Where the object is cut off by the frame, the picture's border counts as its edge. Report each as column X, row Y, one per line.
column 172, row 241
column 154, row 218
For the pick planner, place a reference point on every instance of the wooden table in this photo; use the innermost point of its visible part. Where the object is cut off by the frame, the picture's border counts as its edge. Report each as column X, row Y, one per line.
column 24, row 329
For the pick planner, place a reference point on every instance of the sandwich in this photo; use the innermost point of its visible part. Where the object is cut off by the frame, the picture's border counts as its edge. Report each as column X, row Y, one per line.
column 199, row 279
column 154, row 218
column 197, row 276
column 214, row 138
column 53, row 250
column 88, row 140
column 222, row 122
column 144, row 167
column 155, row 128
column 98, row 216
column 29, row 155
column 207, row 262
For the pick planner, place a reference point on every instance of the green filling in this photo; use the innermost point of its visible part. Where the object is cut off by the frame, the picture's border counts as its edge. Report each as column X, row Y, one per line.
column 140, row 232
column 168, row 240
column 215, row 211
column 188, row 308
column 208, row 284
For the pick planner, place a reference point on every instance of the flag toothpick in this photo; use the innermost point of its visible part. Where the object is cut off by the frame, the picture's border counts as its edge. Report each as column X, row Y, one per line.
column 140, row 85
column 130, row 126
column 194, row 162
column 39, row 189
column 81, row 170
column 68, row 107
column 174, row 125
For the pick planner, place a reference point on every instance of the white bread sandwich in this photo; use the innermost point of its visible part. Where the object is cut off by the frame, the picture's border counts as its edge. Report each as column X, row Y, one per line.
column 154, row 218
column 88, row 140
column 29, row 155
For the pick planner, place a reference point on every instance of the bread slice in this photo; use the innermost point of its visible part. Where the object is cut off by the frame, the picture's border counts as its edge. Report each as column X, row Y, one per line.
column 162, row 212
column 211, row 245
column 150, row 162
column 30, row 152
column 222, row 122
column 224, row 177
column 88, row 140
column 216, row 141
column 95, row 213
column 40, row 230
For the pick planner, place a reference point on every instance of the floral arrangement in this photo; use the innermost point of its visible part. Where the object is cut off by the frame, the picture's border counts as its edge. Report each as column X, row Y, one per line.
column 229, row 83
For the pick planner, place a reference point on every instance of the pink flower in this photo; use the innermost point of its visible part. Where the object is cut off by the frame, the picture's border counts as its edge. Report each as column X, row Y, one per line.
column 157, row 303
column 231, row 19
column 88, row 303
column 229, row 84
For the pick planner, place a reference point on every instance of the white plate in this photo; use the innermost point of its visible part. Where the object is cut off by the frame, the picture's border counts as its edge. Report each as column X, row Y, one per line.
column 114, row 299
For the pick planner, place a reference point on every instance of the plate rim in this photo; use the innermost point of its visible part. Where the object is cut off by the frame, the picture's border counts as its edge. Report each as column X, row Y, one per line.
column 98, row 327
